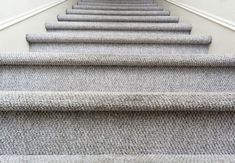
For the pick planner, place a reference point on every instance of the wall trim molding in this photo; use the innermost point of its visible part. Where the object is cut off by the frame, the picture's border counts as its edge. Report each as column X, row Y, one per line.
column 216, row 19
column 23, row 16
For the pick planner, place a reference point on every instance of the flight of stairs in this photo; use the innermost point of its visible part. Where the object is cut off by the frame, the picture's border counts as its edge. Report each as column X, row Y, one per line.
column 113, row 78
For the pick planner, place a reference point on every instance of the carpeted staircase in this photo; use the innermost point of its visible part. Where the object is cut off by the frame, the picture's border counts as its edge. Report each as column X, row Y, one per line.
column 121, row 79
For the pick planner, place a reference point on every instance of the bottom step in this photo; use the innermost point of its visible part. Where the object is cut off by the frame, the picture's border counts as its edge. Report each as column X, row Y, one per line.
column 56, row 124
column 120, row 159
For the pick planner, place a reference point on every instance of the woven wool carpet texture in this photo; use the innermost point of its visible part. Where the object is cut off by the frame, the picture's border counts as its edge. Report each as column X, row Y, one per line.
column 117, row 81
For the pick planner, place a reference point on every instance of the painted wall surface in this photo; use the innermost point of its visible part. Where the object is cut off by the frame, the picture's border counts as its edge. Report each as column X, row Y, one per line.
column 12, row 39
column 223, row 39
column 11, row 8
column 221, row 8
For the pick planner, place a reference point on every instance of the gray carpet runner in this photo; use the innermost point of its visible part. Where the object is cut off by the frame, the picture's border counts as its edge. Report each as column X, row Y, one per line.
column 117, row 78
column 117, row 4
column 141, row 8
column 120, row 13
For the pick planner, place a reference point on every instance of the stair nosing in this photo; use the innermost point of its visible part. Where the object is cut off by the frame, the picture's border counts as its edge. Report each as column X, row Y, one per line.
column 118, row 13
column 118, row 27
column 116, row 101
column 106, row 18
column 73, row 59
column 161, row 39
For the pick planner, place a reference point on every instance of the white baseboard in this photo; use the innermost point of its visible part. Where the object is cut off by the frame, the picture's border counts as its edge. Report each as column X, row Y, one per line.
column 216, row 19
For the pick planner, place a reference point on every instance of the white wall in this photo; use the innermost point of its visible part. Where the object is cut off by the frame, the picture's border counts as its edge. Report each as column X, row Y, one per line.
column 13, row 38
column 223, row 38
column 11, row 8
column 222, row 8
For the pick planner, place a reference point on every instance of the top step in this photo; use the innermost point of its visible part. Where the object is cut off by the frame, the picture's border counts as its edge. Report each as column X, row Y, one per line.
column 120, row 1
column 115, row 4
column 141, row 8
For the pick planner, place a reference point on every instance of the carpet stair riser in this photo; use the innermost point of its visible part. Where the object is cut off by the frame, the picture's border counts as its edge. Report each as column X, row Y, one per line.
column 119, row 28
column 117, row 79
column 73, row 133
column 118, row 8
column 117, row 13
column 101, row 18
column 119, row 49
column 129, row 49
